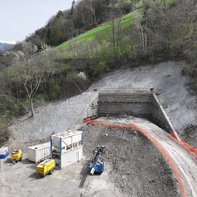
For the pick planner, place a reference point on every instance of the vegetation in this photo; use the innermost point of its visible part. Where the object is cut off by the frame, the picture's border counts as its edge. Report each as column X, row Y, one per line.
column 119, row 33
column 81, row 17
column 105, row 28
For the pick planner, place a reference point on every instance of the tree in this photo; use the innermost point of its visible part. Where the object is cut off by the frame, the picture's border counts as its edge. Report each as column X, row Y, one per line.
column 89, row 5
column 29, row 71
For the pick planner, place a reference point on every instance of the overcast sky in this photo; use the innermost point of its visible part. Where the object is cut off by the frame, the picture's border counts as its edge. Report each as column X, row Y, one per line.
column 20, row 18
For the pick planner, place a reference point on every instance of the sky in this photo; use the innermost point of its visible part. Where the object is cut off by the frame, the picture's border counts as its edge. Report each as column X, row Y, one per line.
column 20, row 18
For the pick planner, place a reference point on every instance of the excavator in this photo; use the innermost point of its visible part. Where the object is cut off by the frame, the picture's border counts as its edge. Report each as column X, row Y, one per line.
column 96, row 164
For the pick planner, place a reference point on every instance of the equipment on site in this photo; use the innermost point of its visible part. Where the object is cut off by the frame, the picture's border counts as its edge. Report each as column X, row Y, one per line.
column 4, row 152
column 96, row 165
column 67, row 147
column 17, row 155
column 45, row 167
column 39, row 152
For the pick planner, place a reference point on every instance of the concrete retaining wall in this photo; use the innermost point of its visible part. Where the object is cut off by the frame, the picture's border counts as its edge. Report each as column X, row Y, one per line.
column 159, row 116
column 140, row 104
column 137, row 104
column 92, row 107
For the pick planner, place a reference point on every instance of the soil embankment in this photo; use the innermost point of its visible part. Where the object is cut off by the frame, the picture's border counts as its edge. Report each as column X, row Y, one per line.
column 166, row 79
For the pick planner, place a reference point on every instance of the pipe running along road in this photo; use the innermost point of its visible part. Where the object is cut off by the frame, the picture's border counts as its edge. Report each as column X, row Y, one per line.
column 181, row 161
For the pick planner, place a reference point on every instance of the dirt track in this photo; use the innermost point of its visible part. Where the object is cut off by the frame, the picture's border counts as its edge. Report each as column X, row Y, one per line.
column 136, row 166
column 185, row 162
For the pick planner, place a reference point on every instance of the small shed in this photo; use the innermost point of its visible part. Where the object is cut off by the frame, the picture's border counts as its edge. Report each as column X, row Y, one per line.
column 39, row 152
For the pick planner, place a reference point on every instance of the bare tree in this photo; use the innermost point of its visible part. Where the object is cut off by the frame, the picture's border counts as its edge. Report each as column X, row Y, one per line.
column 29, row 72
column 89, row 6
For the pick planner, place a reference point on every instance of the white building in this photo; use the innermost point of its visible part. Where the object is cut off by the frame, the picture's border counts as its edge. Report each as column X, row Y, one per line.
column 67, row 147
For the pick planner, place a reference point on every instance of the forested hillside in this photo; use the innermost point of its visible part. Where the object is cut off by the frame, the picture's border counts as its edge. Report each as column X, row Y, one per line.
column 82, row 16
column 77, row 46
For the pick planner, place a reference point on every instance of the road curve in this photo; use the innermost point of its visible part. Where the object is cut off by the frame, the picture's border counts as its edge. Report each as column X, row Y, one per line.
column 183, row 163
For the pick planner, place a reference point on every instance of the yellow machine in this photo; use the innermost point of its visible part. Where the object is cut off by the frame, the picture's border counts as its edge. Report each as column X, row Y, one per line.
column 45, row 167
column 17, row 155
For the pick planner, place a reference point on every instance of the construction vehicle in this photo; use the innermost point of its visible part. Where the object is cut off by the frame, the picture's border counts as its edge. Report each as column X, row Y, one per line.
column 96, row 165
column 16, row 155
column 45, row 167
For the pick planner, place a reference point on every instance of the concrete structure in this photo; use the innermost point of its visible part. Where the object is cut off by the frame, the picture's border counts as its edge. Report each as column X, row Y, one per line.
column 139, row 103
column 39, row 152
column 92, row 107
column 67, row 147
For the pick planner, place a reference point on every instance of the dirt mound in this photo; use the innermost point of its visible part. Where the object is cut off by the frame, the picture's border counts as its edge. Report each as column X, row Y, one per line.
column 136, row 166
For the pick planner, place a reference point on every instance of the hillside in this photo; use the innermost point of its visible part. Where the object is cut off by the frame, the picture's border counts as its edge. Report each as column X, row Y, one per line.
column 140, row 34
column 83, row 16
column 152, row 32
column 126, row 21
column 166, row 79
column 123, row 73
column 5, row 46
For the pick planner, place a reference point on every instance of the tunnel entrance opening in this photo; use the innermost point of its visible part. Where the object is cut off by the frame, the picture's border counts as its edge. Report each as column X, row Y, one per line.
column 144, row 104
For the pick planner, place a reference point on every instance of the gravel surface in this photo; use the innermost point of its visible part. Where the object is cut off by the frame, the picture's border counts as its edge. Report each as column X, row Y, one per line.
column 133, row 167
column 185, row 163
column 136, row 166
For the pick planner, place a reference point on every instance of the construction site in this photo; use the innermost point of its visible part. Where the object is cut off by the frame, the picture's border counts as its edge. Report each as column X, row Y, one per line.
column 119, row 138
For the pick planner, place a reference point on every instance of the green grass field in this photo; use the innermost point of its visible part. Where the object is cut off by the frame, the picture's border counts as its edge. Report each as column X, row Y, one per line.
column 103, row 30
column 126, row 21
column 110, row 39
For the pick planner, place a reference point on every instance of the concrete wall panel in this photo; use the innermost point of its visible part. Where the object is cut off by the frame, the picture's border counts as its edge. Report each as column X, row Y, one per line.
column 71, row 156
column 124, row 108
column 143, row 104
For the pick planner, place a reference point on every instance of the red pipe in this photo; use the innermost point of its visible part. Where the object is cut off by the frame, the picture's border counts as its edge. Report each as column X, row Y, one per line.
column 152, row 139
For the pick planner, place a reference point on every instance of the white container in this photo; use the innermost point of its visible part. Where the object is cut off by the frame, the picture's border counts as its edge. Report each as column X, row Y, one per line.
column 71, row 156
column 39, row 152
column 68, row 140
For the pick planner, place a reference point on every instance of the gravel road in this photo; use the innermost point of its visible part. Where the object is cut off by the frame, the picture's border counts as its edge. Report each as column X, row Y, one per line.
column 185, row 162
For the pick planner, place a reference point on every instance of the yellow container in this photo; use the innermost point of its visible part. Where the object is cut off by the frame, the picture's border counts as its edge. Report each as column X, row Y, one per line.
column 45, row 167
column 17, row 155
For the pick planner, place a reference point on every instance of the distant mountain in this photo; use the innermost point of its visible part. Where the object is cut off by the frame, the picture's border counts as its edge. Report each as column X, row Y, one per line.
column 4, row 46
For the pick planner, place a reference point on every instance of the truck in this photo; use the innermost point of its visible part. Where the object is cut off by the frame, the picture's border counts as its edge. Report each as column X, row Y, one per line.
column 45, row 167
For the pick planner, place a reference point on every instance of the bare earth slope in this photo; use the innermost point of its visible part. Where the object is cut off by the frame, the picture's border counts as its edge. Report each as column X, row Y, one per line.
column 168, row 81
column 165, row 78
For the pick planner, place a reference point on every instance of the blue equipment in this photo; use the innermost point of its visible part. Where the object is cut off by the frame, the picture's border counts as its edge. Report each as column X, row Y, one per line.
column 96, row 165
column 4, row 152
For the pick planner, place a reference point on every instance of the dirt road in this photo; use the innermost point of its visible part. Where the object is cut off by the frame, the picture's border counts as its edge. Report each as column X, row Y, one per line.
column 134, row 165
column 185, row 162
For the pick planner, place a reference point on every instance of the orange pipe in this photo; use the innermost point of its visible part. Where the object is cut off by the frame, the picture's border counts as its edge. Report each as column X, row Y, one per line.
column 187, row 146
column 152, row 139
